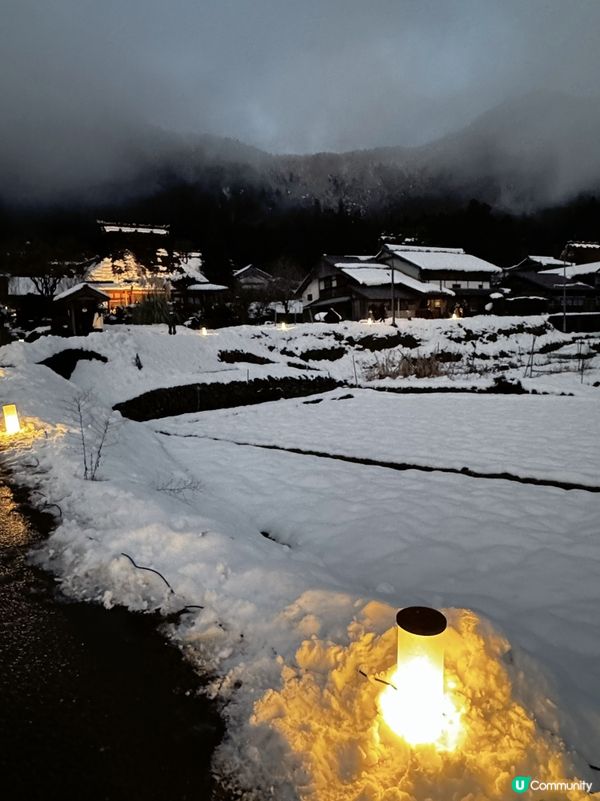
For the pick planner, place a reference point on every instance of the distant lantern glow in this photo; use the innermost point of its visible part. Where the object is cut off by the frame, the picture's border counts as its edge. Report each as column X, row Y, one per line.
column 416, row 707
column 203, row 331
column 283, row 326
column 12, row 424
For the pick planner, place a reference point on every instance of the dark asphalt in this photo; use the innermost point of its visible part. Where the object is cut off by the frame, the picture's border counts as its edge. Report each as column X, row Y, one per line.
column 94, row 704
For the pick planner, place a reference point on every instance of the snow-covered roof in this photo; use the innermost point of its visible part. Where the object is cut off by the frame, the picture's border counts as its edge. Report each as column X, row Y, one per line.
column 237, row 273
column 133, row 228
column 442, row 259
column 78, row 288
column 190, row 265
column 546, row 260
column 373, row 274
column 583, row 244
column 574, row 270
column 205, row 287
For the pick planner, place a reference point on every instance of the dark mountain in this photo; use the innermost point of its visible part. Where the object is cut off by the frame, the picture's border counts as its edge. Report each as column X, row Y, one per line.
column 537, row 150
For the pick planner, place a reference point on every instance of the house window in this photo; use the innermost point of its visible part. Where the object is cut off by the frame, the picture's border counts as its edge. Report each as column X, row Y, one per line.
column 309, row 296
column 329, row 282
column 456, row 286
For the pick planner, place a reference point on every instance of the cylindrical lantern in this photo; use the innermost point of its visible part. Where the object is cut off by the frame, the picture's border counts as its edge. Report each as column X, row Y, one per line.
column 11, row 419
column 414, row 706
column 203, row 331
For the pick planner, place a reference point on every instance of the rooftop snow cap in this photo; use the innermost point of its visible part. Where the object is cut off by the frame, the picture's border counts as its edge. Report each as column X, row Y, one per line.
column 421, row 620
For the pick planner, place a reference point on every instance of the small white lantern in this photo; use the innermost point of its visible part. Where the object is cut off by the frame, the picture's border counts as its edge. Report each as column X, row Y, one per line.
column 12, row 424
column 203, row 331
column 414, row 706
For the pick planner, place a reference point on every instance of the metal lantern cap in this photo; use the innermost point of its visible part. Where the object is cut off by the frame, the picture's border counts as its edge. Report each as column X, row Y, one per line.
column 421, row 620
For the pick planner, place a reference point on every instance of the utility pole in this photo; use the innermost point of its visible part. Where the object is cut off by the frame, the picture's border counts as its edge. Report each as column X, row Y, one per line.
column 564, row 300
column 393, row 298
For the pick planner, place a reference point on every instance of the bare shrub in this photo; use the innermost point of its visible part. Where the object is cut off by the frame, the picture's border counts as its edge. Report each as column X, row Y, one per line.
column 94, row 425
column 402, row 365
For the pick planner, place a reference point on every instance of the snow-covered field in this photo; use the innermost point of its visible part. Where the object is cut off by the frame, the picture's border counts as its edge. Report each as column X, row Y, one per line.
column 299, row 561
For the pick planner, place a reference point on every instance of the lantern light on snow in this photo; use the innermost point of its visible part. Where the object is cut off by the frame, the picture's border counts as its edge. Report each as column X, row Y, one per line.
column 203, row 331
column 414, row 705
column 11, row 419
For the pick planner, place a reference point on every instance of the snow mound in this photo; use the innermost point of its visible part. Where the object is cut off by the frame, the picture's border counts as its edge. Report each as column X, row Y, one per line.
column 320, row 737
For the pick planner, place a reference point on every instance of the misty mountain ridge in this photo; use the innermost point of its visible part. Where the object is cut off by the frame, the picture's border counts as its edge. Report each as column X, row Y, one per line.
column 537, row 150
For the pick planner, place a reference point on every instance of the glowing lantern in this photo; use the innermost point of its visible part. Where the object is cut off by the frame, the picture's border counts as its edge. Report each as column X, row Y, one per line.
column 203, row 331
column 11, row 419
column 283, row 326
column 414, row 706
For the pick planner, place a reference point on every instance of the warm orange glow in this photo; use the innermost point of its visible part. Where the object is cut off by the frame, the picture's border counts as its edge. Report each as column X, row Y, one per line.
column 11, row 419
column 416, row 707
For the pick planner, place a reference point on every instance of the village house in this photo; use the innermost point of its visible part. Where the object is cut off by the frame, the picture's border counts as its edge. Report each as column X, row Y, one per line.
column 252, row 278
column 587, row 273
column 540, row 292
column 359, row 287
column 77, row 311
column 422, row 281
column 581, row 252
column 470, row 278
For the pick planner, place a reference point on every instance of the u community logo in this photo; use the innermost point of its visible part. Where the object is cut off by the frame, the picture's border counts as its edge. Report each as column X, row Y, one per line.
column 521, row 784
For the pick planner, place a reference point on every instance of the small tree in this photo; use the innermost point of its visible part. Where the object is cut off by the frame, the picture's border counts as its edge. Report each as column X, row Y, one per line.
column 93, row 425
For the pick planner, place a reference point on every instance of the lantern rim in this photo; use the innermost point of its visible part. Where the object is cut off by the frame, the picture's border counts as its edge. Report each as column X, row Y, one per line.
column 421, row 620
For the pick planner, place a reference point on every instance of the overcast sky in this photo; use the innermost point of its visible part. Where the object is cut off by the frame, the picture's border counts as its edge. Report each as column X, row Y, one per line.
column 301, row 76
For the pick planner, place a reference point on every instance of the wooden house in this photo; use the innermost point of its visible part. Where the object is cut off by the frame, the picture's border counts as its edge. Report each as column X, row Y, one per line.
column 468, row 277
column 532, row 293
column 579, row 252
column 76, row 309
column 360, row 287
column 252, row 278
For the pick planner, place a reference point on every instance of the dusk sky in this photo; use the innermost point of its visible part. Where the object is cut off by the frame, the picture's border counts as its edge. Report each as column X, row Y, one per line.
column 80, row 80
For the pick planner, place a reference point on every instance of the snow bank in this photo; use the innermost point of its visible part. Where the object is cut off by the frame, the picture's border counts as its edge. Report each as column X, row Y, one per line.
column 275, row 560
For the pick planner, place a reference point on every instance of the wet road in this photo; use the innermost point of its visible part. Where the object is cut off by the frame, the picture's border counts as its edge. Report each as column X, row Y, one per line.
column 94, row 705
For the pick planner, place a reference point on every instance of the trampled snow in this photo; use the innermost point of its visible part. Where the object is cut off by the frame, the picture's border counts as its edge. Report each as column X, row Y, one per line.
column 299, row 562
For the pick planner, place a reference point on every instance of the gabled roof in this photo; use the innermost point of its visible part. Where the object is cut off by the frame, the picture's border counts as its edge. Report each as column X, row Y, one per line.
column 551, row 280
column 206, row 287
column 574, row 270
column 82, row 289
column 440, row 259
column 264, row 273
column 375, row 274
column 550, row 260
column 543, row 261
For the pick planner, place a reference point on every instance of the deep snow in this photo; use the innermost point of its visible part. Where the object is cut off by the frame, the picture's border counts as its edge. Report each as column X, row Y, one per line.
column 299, row 561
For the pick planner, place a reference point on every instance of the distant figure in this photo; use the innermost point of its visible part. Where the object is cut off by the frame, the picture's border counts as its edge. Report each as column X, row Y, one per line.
column 172, row 319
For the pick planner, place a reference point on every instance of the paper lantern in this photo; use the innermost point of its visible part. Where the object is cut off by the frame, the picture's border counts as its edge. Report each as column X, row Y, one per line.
column 11, row 419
